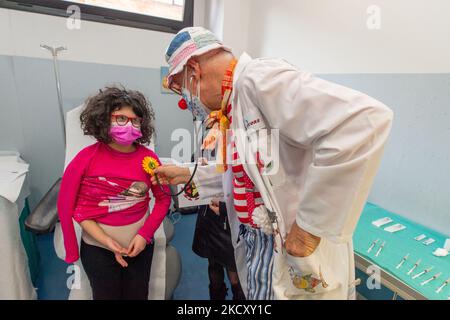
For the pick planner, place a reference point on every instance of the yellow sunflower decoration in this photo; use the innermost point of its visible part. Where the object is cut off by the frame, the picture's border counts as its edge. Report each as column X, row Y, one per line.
column 150, row 164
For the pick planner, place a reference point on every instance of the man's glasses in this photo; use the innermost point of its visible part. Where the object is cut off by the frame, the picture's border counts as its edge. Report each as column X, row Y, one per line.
column 175, row 89
column 122, row 120
column 173, row 86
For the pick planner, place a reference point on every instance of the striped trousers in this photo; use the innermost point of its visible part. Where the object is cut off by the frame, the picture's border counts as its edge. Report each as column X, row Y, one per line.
column 259, row 258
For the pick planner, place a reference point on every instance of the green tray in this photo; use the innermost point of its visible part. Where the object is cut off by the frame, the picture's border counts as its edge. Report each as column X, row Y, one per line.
column 398, row 245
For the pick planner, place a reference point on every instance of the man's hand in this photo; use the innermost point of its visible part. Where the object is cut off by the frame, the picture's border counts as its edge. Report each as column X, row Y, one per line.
column 300, row 243
column 136, row 246
column 171, row 174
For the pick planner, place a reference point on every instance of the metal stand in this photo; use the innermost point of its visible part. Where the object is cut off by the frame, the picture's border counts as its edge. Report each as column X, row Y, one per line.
column 54, row 51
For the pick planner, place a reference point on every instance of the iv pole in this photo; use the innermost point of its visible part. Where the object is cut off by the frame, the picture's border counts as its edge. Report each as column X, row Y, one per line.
column 54, row 51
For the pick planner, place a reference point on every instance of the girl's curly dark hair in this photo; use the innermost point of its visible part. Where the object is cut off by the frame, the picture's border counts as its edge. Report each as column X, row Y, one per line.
column 96, row 116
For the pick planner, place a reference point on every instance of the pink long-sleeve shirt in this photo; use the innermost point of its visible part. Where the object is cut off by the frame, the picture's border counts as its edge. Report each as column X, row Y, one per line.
column 110, row 187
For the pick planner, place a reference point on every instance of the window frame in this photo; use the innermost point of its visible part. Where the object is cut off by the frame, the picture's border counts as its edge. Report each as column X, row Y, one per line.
column 105, row 15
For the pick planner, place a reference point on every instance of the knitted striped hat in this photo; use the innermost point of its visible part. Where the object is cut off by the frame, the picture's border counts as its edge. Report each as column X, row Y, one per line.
column 189, row 42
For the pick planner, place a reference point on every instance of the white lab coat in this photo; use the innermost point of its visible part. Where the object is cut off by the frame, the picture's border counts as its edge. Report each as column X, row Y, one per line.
column 331, row 140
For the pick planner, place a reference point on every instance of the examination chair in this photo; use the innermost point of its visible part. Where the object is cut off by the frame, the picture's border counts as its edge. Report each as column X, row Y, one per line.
column 166, row 264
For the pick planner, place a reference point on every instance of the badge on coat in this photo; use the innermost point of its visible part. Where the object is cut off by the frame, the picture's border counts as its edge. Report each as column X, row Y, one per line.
column 253, row 121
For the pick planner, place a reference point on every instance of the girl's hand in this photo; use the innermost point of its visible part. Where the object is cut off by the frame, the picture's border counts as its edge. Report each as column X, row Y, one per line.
column 136, row 246
column 214, row 206
column 120, row 259
column 93, row 229
column 118, row 250
column 114, row 246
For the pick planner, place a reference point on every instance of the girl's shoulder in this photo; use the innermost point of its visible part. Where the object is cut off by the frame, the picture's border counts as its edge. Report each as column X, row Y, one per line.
column 90, row 149
column 147, row 151
column 87, row 152
column 82, row 158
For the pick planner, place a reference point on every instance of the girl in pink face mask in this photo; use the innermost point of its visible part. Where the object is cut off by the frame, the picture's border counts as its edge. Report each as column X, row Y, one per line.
column 120, row 118
column 106, row 190
column 125, row 129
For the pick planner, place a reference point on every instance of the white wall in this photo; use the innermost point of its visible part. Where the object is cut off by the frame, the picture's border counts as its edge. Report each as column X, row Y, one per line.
column 229, row 20
column 214, row 16
column 236, row 24
column 329, row 36
column 200, row 12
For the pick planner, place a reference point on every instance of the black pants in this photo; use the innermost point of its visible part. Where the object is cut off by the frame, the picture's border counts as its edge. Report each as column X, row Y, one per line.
column 109, row 280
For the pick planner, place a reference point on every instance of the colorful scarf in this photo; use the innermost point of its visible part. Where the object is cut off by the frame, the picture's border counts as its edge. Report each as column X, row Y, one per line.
column 219, row 122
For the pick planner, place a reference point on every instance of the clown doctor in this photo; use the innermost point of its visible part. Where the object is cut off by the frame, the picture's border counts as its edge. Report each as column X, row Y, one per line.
column 292, row 215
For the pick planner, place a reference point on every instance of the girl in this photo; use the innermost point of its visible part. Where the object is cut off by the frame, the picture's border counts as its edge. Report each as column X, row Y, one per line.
column 105, row 190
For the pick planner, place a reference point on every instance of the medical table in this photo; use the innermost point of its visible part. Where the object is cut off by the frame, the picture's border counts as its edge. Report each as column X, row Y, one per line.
column 395, row 283
column 19, row 261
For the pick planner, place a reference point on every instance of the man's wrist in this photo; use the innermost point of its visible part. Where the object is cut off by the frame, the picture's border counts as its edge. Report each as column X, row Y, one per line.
column 300, row 242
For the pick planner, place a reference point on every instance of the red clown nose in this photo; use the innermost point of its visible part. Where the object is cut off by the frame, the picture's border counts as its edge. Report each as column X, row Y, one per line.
column 182, row 104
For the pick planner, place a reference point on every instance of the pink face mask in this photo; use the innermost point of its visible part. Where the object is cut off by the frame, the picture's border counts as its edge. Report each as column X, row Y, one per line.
column 125, row 135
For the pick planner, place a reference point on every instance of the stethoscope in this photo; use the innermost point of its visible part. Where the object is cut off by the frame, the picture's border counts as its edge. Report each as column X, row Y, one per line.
column 194, row 119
